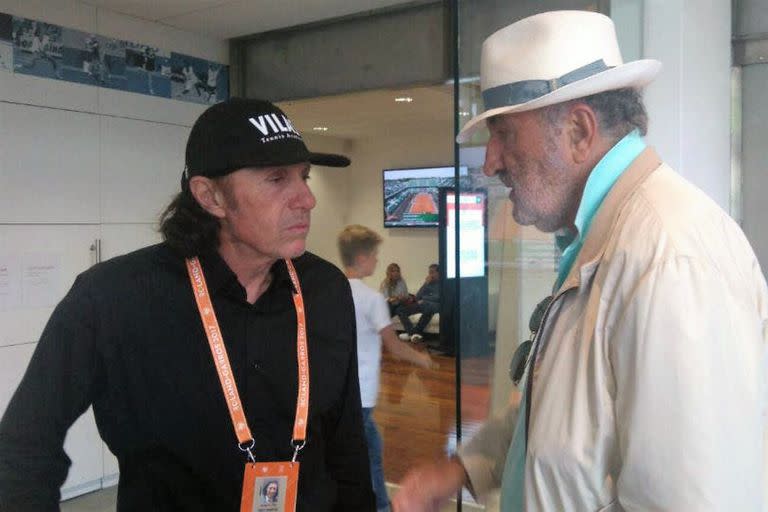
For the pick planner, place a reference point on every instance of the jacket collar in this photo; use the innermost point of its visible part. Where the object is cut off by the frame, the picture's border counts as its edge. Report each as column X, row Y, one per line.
column 606, row 217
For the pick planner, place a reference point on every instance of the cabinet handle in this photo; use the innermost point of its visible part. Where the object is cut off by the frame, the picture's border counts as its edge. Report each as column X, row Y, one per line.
column 96, row 251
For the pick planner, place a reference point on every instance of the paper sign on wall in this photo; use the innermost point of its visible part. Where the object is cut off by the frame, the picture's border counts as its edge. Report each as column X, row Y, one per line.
column 10, row 282
column 41, row 280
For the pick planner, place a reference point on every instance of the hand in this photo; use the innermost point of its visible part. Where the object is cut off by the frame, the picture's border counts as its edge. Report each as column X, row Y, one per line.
column 428, row 488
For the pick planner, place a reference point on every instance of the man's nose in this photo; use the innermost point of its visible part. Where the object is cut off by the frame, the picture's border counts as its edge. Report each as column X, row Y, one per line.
column 493, row 163
column 305, row 199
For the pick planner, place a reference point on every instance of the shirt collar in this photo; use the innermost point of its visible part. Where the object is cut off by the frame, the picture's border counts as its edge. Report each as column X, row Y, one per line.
column 599, row 183
column 220, row 278
column 604, row 175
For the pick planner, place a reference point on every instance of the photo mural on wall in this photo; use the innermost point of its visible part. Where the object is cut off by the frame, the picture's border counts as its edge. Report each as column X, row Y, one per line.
column 37, row 48
column 92, row 59
column 6, row 43
column 197, row 80
column 32, row 47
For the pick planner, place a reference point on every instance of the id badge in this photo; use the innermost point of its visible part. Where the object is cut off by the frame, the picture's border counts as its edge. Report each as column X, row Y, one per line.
column 270, row 487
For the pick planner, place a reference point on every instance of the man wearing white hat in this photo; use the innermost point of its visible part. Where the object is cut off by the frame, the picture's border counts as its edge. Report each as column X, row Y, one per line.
column 645, row 387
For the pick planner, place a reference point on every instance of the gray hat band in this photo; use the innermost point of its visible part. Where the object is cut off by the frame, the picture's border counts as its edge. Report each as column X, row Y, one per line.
column 507, row 95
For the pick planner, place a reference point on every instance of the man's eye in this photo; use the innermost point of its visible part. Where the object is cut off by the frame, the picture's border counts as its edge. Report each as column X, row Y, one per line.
column 506, row 137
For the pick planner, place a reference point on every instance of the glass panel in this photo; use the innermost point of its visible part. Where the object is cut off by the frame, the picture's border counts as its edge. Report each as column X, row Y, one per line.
column 520, row 262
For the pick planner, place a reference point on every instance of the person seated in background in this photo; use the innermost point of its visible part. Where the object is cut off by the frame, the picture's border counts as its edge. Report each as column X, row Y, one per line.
column 426, row 302
column 358, row 248
column 393, row 288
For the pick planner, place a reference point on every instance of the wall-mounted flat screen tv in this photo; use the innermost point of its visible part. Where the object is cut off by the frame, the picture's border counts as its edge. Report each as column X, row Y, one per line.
column 411, row 195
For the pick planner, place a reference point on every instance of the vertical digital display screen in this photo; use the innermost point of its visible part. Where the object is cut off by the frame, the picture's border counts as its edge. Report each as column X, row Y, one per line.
column 471, row 231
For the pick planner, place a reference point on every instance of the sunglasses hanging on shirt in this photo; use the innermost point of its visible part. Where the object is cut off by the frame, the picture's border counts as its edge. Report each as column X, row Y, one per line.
column 517, row 364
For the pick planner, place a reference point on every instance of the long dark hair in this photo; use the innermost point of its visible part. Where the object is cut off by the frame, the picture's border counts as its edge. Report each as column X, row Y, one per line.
column 187, row 228
column 389, row 284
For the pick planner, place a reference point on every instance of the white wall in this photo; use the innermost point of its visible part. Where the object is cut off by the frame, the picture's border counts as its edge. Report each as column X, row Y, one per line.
column 753, row 22
column 418, row 145
column 331, row 188
column 79, row 163
column 755, row 159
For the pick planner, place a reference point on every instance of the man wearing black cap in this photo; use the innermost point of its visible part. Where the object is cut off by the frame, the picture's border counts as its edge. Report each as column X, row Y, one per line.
column 135, row 339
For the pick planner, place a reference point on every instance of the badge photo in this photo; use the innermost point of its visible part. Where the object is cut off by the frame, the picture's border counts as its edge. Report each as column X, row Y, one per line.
column 270, row 487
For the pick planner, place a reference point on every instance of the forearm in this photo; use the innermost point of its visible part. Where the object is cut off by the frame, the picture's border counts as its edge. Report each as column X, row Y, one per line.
column 429, row 487
column 29, row 477
column 485, row 455
column 401, row 350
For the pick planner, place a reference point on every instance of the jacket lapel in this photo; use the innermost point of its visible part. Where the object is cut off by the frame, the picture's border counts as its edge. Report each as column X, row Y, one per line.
column 606, row 217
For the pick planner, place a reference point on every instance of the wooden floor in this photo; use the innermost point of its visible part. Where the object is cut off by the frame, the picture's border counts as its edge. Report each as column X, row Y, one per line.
column 416, row 409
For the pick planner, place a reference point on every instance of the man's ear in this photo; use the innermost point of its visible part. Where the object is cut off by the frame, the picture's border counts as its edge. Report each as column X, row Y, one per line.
column 583, row 132
column 208, row 195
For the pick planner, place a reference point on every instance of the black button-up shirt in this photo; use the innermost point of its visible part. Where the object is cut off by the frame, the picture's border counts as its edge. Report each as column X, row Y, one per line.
column 128, row 339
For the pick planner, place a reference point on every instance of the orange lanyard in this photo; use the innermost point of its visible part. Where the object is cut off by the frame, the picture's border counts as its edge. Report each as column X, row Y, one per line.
column 224, row 369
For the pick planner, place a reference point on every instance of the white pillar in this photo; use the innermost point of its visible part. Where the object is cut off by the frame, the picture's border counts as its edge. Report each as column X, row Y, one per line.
column 689, row 103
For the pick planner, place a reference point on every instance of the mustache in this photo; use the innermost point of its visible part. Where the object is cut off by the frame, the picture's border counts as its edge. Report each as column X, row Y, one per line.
column 505, row 178
column 300, row 220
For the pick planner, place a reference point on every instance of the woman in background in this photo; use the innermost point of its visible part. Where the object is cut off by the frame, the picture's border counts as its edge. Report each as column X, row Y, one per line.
column 393, row 287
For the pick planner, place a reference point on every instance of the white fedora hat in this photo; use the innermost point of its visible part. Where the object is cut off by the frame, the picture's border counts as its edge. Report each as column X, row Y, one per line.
column 550, row 58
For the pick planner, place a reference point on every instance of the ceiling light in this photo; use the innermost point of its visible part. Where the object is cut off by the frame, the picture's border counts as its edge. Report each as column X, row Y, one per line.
column 463, row 113
column 320, row 128
column 403, row 99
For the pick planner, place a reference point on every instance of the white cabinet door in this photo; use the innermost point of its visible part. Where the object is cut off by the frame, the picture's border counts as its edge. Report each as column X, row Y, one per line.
column 49, row 162
column 33, row 90
column 117, row 239
column 41, row 263
column 141, row 166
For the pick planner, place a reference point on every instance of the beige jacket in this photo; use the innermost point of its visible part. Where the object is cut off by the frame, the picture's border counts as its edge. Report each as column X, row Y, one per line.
column 649, row 388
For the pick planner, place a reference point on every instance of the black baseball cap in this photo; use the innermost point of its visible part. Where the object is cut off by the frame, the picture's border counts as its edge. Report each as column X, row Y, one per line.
column 243, row 132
